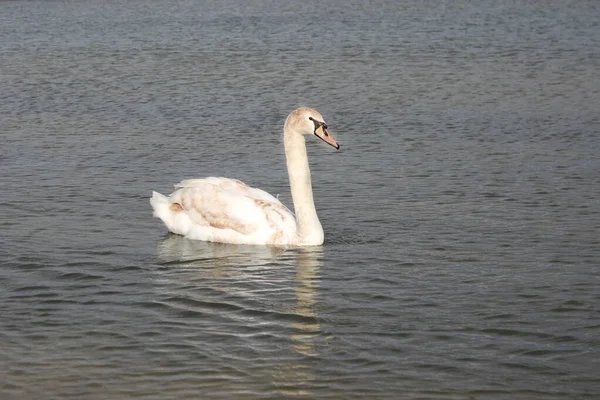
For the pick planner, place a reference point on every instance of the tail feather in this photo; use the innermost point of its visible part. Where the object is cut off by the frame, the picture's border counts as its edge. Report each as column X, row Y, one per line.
column 160, row 204
column 176, row 222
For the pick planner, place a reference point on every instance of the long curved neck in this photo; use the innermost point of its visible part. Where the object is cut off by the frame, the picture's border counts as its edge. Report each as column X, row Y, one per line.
column 310, row 231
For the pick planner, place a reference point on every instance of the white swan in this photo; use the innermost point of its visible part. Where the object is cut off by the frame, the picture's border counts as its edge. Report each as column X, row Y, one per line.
column 228, row 211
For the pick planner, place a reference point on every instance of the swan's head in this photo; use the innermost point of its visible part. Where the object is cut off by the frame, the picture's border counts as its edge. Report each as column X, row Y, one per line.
column 308, row 121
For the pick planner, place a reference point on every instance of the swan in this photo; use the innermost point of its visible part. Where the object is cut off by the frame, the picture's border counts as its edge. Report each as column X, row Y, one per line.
column 229, row 211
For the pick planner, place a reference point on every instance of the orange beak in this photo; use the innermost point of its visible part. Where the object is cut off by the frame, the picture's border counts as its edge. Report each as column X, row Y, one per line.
column 321, row 133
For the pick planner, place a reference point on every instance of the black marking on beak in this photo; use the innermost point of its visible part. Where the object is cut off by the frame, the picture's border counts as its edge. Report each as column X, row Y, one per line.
column 319, row 124
column 323, row 126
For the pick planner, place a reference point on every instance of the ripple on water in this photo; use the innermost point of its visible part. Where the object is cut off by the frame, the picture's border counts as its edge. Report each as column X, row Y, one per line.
column 461, row 214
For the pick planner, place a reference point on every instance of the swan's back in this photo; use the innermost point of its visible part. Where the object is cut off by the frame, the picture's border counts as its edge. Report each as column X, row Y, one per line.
column 225, row 210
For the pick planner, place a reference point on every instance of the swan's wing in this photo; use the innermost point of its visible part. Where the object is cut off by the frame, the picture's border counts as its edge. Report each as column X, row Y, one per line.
column 227, row 210
column 231, row 184
column 225, row 183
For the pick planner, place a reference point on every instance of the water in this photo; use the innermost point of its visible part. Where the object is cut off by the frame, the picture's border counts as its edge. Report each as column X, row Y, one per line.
column 461, row 215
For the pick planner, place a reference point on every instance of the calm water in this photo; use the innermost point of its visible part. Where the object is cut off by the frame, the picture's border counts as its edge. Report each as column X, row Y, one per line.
column 462, row 215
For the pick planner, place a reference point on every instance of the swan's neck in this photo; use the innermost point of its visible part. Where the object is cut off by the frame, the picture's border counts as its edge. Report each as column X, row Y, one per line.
column 310, row 231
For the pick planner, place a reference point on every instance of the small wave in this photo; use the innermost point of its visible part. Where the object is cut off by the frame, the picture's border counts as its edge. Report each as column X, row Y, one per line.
column 350, row 236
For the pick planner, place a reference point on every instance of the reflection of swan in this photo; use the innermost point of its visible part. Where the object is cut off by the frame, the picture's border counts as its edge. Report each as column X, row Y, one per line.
column 177, row 250
column 232, row 262
column 293, row 378
column 228, row 211
column 307, row 266
column 268, row 292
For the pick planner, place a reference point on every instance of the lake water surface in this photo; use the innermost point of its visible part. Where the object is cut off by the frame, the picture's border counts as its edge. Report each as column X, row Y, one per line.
column 462, row 213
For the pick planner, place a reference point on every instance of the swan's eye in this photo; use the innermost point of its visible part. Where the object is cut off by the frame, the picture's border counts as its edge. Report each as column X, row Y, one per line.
column 311, row 118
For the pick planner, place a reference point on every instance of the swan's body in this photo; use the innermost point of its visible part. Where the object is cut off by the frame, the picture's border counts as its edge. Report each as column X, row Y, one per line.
column 228, row 211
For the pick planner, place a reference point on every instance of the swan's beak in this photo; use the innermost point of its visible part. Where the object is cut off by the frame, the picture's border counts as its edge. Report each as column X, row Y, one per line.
column 321, row 133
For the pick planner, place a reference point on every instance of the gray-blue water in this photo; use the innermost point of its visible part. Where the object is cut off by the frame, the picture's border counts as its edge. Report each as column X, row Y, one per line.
column 462, row 214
